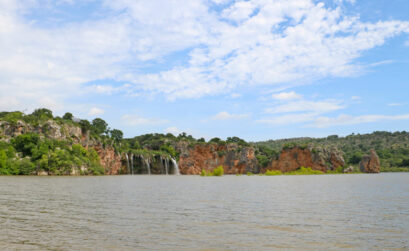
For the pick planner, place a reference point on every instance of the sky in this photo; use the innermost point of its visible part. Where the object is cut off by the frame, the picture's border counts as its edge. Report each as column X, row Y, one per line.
column 256, row 69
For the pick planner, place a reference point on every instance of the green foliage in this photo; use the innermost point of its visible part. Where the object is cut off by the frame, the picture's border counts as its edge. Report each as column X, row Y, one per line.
column 304, row 171
column 250, row 174
column 221, row 153
column 273, row 172
column 25, row 143
column 99, row 126
column 392, row 148
column 263, row 160
column 68, row 116
column 168, row 149
column 42, row 114
column 219, row 171
column 3, row 162
column 355, row 158
column 116, row 135
column 237, row 140
column 85, row 125
column 215, row 140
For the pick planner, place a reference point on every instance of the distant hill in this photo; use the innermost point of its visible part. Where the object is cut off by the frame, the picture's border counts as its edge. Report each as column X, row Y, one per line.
column 392, row 147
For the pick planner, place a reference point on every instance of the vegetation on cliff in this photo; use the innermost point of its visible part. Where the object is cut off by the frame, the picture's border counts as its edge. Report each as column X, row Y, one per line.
column 42, row 143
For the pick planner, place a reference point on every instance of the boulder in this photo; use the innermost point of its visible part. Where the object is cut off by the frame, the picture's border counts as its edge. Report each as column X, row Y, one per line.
column 370, row 163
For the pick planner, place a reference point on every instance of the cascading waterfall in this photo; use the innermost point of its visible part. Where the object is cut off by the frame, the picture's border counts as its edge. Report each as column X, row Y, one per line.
column 127, row 163
column 132, row 163
column 148, row 165
column 175, row 165
column 167, row 166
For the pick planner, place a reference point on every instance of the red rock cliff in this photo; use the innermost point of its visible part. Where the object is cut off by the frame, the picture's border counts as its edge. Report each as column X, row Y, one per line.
column 234, row 159
column 317, row 159
column 109, row 160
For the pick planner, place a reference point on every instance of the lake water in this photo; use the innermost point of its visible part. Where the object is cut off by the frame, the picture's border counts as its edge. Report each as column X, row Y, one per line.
column 353, row 211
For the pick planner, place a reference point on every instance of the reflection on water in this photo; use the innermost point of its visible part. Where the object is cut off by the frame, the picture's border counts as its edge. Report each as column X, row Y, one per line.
column 205, row 213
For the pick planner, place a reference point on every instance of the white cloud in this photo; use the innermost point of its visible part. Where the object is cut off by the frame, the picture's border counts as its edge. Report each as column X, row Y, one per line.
column 323, row 122
column 236, row 95
column 136, row 120
column 95, row 111
column 286, row 96
column 316, row 107
column 284, row 41
column 228, row 116
column 395, row 104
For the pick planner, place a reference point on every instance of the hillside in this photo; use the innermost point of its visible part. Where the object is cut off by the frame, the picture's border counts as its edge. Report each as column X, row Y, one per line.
column 392, row 148
column 42, row 144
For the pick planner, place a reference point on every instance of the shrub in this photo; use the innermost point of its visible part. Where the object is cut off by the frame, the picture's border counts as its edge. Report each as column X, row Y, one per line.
column 273, row 172
column 304, row 171
column 219, row 171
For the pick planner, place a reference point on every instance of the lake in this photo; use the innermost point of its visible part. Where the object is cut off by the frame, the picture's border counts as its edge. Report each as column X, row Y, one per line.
column 356, row 211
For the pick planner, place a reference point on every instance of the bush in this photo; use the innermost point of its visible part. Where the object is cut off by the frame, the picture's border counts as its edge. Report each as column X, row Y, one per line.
column 273, row 172
column 304, row 171
column 219, row 171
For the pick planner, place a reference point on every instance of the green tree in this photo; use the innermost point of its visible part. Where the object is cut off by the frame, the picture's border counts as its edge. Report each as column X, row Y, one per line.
column 42, row 114
column 85, row 125
column 25, row 143
column 99, row 126
column 116, row 135
column 68, row 116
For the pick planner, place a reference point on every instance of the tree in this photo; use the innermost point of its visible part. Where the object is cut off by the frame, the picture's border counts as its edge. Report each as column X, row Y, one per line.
column 68, row 116
column 215, row 140
column 116, row 135
column 85, row 125
column 25, row 143
column 99, row 126
column 42, row 114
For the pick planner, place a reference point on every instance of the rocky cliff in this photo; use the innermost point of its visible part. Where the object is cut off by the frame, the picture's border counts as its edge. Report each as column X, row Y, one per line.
column 234, row 159
column 290, row 159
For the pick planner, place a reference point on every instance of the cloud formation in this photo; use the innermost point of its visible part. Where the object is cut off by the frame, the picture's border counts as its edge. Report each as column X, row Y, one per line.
column 229, row 116
column 241, row 44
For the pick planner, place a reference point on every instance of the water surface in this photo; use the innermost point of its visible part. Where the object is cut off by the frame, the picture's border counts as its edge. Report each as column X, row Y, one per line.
column 205, row 213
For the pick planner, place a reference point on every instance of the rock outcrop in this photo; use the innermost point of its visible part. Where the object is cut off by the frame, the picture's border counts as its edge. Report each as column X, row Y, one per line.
column 370, row 163
column 111, row 161
column 235, row 159
column 291, row 159
column 49, row 129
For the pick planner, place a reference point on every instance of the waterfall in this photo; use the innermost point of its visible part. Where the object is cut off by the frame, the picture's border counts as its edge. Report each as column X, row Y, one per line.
column 132, row 163
column 148, row 165
column 127, row 163
column 175, row 164
column 167, row 166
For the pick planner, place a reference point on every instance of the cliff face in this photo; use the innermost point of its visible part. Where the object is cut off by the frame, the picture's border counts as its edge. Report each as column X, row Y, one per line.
column 233, row 158
column 370, row 163
column 111, row 161
column 318, row 159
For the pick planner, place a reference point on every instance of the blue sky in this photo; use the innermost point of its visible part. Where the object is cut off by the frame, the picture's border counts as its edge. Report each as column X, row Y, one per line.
column 257, row 69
